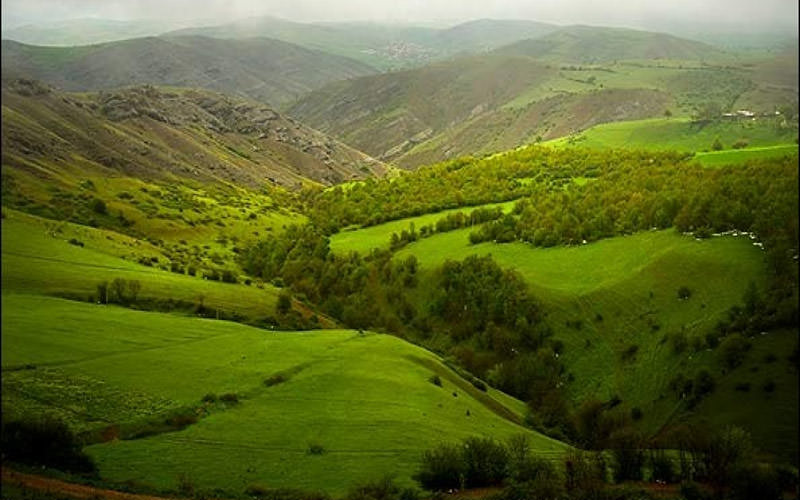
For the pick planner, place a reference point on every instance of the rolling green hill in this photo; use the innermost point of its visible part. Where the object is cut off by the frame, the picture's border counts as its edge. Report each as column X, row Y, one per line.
column 740, row 140
column 154, row 364
column 590, row 45
column 39, row 258
column 607, row 296
column 270, row 71
column 516, row 95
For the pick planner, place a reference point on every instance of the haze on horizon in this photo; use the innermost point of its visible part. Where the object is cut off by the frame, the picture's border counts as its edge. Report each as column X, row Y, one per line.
column 745, row 16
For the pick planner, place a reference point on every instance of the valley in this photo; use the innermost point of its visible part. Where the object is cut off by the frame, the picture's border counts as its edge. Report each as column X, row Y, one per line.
column 261, row 258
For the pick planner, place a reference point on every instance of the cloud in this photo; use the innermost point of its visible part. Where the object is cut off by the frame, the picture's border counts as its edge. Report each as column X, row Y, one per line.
column 733, row 14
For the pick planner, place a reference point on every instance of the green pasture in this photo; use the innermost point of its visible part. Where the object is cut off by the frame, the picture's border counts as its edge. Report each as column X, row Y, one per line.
column 365, row 399
column 607, row 297
column 362, row 240
column 38, row 258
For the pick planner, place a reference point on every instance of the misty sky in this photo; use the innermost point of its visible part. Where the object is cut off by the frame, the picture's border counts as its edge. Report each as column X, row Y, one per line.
column 725, row 15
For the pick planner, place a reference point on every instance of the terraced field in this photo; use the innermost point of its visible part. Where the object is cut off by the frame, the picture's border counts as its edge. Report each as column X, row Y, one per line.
column 354, row 399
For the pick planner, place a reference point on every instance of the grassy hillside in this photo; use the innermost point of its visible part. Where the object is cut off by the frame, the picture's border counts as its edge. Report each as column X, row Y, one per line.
column 39, row 258
column 590, row 44
column 270, row 71
column 151, row 364
column 605, row 297
column 149, row 133
column 362, row 240
column 740, row 140
column 515, row 96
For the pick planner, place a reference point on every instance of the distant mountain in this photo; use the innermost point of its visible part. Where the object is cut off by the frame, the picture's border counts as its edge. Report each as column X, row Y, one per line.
column 268, row 70
column 87, row 31
column 589, row 44
column 384, row 46
column 389, row 114
column 153, row 133
column 555, row 85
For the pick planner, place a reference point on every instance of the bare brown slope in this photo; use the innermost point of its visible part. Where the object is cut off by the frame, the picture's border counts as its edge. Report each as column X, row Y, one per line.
column 149, row 132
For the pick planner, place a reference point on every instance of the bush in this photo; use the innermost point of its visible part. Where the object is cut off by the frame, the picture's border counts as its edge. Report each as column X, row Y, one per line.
column 442, row 468
column 741, row 143
column 44, row 442
column 264, row 493
column 209, row 398
column 485, row 462
column 636, row 413
column 77, row 243
column 276, row 379
column 734, row 350
column 435, row 380
column 661, row 467
column 692, row 491
column 99, row 206
column 315, row 449
column 684, row 292
column 229, row 397
column 381, row 489
column 284, row 302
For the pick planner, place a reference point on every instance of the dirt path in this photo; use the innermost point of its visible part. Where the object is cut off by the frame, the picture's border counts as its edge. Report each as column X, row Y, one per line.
column 50, row 485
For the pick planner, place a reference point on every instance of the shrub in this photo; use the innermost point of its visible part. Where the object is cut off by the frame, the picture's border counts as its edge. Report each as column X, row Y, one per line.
column 769, row 386
column 435, row 380
column 734, row 350
column 684, row 292
column 692, row 491
column 381, row 489
column 743, row 387
column 315, row 449
column 741, row 143
column 478, row 384
column 442, row 468
column 629, row 353
column 44, row 442
column 99, row 206
column 77, row 243
column 209, row 398
column 661, row 467
column 485, row 462
column 716, row 145
column 229, row 397
column 276, row 379
column 636, row 413
column 284, row 302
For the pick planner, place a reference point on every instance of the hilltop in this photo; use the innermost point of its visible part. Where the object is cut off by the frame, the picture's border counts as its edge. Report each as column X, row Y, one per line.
column 268, row 70
column 384, row 46
column 591, row 44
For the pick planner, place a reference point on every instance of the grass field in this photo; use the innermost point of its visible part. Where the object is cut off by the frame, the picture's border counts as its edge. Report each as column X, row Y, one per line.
column 764, row 137
column 621, row 293
column 357, row 396
column 362, row 240
column 736, row 156
column 38, row 258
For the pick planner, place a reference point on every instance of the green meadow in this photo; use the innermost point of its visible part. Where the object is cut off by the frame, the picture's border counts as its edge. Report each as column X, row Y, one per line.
column 608, row 297
column 356, row 399
column 362, row 240
column 38, row 258
column 763, row 138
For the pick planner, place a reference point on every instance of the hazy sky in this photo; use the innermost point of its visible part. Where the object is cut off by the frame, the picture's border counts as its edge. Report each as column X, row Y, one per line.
column 728, row 15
